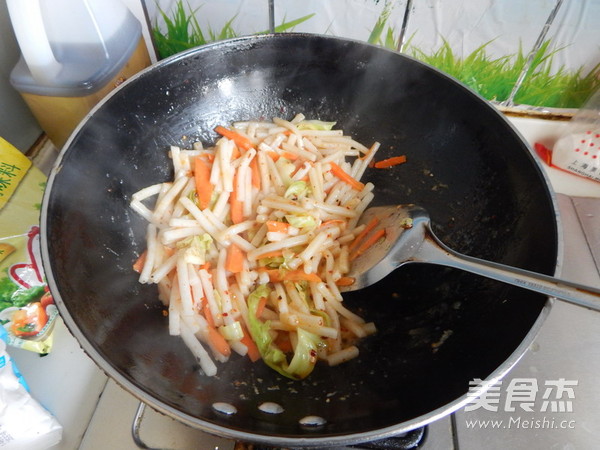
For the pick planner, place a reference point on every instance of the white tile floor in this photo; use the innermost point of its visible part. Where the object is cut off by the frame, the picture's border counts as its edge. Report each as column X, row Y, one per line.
column 110, row 427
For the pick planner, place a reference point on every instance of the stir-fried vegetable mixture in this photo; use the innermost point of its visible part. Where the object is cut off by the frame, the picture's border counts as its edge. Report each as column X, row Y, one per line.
column 251, row 240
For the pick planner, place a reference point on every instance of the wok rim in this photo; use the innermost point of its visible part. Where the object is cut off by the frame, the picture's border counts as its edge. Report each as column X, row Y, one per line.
column 270, row 439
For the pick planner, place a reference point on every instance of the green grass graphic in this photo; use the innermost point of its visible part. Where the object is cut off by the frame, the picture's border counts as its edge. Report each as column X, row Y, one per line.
column 494, row 78
column 184, row 32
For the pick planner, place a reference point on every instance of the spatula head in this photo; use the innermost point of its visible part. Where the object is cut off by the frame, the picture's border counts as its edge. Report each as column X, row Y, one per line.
column 404, row 231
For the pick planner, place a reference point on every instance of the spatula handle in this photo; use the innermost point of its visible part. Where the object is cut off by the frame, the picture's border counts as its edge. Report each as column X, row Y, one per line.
column 434, row 251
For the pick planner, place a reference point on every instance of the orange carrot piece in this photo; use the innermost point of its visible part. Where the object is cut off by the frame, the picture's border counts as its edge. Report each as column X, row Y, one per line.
column 234, row 262
column 255, row 173
column 371, row 240
column 253, row 352
column 345, row 281
column 204, row 188
column 210, row 157
column 235, row 154
column 237, row 209
column 372, row 224
column 289, row 155
column 390, row 162
column 273, row 254
column 262, row 302
column 218, row 342
column 275, row 275
column 207, row 314
column 241, row 141
column 273, row 155
column 266, row 270
column 282, row 341
column 274, row 225
column 339, row 172
column 331, row 222
column 138, row 265
column 300, row 275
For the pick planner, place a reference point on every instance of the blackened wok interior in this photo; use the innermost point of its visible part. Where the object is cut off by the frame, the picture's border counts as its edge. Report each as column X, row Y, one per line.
column 466, row 166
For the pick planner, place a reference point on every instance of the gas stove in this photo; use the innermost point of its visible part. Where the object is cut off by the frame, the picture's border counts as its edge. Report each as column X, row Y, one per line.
column 97, row 414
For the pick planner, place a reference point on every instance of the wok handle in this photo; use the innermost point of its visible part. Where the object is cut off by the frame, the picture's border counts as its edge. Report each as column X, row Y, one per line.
column 136, row 425
column 436, row 252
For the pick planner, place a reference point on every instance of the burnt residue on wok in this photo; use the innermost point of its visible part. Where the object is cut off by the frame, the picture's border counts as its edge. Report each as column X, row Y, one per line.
column 438, row 328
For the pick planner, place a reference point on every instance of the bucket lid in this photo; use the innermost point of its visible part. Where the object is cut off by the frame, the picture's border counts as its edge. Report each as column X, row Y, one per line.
column 78, row 79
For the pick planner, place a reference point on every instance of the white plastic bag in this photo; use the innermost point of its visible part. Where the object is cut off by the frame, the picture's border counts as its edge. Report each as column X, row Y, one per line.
column 24, row 423
column 578, row 149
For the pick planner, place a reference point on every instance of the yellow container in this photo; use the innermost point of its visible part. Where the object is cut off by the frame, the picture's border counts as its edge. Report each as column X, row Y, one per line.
column 73, row 53
column 58, row 116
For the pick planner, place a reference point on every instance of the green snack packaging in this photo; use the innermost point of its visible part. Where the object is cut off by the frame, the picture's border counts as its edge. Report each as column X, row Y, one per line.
column 27, row 310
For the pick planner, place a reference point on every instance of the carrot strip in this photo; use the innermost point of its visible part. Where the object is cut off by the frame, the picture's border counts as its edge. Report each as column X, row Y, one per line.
column 210, row 157
column 371, row 240
column 253, row 352
column 255, row 172
column 234, row 262
column 218, row 342
column 207, row 314
column 273, row 254
column 390, row 162
column 204, row 188
column 138, row 265
column 345, row 281
column 273, row 155
column 282, row 341
column 372, row 224
column 331, row 222
column 237, row 208
column 275, row 275
column 289, row 155
column 274, row 225
column 261, row 307
column 235, row 154
column 339, row 172
column 241, row 141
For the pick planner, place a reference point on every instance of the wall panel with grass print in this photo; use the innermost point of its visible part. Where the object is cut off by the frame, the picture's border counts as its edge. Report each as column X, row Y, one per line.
column 543, row 53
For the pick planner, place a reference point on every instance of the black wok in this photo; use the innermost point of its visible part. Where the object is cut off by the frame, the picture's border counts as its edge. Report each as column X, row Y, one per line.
column 466, row 165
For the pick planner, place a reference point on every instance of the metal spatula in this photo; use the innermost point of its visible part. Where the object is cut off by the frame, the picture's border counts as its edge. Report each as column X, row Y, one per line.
column 409, row 239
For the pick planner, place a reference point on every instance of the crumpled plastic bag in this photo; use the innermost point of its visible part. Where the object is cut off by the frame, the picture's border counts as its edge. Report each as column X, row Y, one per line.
column 27, row 310
column 578, row 149
column 24, row 423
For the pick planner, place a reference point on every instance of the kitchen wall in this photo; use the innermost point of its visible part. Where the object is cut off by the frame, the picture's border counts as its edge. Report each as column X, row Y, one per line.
column 484, row 43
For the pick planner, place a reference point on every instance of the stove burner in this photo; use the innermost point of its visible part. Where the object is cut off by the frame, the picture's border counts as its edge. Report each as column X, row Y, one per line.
column 410, row 440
